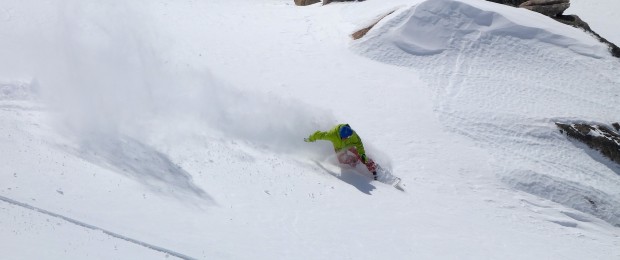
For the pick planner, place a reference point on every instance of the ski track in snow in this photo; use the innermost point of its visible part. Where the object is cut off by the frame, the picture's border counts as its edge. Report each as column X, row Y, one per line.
column 91, row 227
column 484, row 70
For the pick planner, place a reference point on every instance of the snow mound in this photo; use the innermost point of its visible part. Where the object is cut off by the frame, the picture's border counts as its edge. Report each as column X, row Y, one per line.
column 432, row 27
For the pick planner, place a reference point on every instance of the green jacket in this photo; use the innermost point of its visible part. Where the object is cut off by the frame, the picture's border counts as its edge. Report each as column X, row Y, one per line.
column 339, row 144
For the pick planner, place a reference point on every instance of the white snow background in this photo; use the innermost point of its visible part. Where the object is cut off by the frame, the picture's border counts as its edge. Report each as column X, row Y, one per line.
column 174, row 129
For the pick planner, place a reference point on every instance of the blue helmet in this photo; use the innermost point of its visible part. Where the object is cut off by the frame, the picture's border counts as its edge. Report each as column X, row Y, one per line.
column 345, row 131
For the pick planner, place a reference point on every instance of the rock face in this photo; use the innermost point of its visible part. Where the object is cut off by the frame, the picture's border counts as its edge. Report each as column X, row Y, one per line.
column 329, row 1
column 360, row 33
column 596, row 136
column 547, row 7
column 306, row 2
column 514, row 3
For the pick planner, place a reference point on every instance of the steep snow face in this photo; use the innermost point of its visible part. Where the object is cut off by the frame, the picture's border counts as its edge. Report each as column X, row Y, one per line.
column 502, row 76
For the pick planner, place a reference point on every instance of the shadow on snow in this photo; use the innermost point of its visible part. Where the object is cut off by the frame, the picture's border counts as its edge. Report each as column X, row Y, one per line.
column 142, row 163
column 362, row 183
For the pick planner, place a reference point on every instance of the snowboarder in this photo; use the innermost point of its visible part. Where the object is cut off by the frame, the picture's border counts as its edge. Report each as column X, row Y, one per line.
column 348, row 146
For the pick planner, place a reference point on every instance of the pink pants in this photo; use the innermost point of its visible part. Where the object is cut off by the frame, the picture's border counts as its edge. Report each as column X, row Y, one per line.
column 354, row 158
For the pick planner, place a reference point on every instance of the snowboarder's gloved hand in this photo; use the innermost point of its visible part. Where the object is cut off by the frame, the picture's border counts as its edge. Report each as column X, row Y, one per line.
column 374, row 175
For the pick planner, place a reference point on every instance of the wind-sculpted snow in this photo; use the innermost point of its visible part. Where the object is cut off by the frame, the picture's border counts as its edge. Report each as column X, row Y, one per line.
column 580, row 197
column 500, row 76
column 433, row 27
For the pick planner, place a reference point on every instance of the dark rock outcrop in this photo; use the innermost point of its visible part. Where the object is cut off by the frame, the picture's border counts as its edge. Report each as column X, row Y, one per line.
column 597, row 136
column 329, row 1
column 306, row 2
column 514, row 3
column 547, row 7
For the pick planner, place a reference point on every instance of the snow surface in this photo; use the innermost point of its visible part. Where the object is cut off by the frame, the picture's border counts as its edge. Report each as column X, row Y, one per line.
column 163, row 129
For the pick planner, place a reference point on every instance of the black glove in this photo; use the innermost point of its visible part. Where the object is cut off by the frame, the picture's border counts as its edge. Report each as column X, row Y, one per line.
column 374, row 174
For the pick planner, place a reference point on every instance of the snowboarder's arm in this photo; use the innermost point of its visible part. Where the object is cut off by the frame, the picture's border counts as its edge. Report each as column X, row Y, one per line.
column 318, row 135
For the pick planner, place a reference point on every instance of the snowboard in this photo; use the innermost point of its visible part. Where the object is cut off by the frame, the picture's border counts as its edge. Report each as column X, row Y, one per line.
column 385, row 176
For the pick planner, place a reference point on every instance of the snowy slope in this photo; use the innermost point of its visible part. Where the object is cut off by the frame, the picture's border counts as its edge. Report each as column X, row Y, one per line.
column 145, row 130
column 510, row 108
